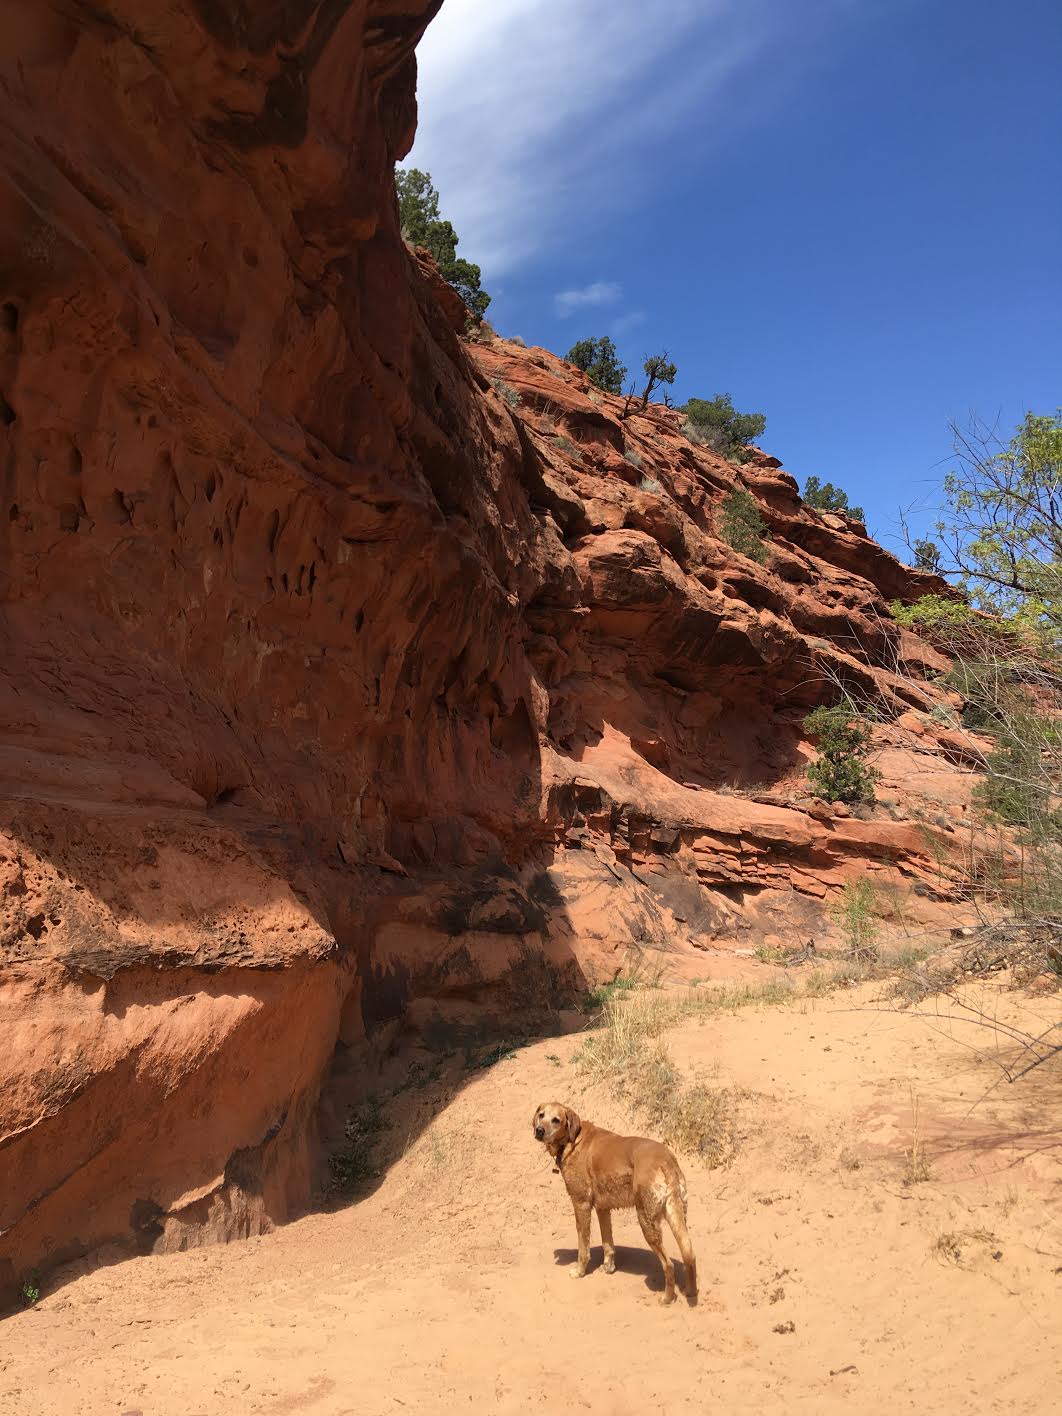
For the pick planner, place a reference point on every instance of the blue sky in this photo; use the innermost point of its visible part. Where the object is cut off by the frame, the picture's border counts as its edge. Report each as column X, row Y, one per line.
column 846, row 213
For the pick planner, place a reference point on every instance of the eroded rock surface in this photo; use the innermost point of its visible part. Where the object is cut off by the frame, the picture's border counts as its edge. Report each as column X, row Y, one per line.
column 353, row 675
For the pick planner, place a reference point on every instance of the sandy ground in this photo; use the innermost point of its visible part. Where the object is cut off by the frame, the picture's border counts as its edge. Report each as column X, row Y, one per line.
column 828, row 1284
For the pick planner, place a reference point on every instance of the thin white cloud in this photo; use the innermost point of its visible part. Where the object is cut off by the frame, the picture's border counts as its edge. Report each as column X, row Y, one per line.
column 589, row 297
column 538, row 117
column 625, row 323
column 514, row 98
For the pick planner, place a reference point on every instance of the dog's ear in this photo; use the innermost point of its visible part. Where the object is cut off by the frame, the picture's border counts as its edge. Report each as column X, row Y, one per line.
column 534, row 1114
column 574, row 1124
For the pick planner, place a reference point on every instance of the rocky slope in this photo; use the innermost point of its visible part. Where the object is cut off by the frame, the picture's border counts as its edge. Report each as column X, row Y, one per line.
column 353, row 677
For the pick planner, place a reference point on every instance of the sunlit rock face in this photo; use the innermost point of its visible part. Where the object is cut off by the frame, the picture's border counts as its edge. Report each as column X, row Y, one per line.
column 353, row 677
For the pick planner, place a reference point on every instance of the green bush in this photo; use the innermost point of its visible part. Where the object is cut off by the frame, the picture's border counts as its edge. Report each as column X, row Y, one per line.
column 935, row 612
column 840, row 772
column 958, row 629
column 824, row 496
column 506, row 392
column 983, row 684
column 353, row 1166
column 1021, row 782
column 927, row 556
column 742, row 526
column 599, row 361
column 716, row 423
column 423, row 225
column 659, row 370
column 854, row 913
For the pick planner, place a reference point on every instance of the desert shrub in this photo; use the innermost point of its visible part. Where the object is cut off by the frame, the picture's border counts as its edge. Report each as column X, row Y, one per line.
column 518, row 340
column 840, row 772
column 716, row 423
column 505, row 392
column 649, row 484
column 742, row 526
column 982, row 684
column 423, row 225
column 927, row 556
column 706, row 436
column 599, row 360
column 955, row 627
column 824, row 496
column 633, row 457
column 630, row 1053
column 935, row 612
column 352, row 1166
column 1021, row 782
column 659, row 370
column 854, row 912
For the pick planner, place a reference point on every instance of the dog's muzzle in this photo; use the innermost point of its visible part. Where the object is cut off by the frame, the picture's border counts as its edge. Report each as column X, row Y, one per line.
column 540, row 1134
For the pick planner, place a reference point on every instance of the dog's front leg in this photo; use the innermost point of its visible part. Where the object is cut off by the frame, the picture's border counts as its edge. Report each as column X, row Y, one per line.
column 582, row 1224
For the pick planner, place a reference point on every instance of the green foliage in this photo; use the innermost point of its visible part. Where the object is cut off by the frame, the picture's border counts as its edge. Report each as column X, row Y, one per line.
column 824, row 496
column 716, row 423
column 599, row 361
column 659, row 370
column 599, row 995
column 1003, row 526
column 506, row 392
column 423, row 225
column 840, row 772
column 352, row 1166
column 1021, row 782
column 956, row 628
column 927, row 556
column 742, row 526
column 30, row 1291
column 932, row 610
column 938, row 614
column 855, row 915
column 499, row 1052
column 983, row 684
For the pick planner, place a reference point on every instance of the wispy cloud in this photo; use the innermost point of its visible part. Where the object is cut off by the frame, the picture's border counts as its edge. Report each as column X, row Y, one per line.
column 536, row 117
column 625, row 323
column 589, row 297
column 527, row 106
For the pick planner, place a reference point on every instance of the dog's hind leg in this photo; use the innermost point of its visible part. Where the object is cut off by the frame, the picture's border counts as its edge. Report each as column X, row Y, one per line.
column 604, row 1219
column 652, row 1228
column 675, row 1210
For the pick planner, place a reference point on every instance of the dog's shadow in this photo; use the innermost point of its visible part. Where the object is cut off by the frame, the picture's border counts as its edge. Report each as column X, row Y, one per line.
column 628, row 1260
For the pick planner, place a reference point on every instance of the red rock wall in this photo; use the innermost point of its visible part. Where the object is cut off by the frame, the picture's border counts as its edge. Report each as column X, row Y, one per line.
column 335, row 691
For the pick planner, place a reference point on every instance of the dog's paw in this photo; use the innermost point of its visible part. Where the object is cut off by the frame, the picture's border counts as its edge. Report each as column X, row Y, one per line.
column 667, row 1299
column 610, row 1266
column 576, row 1272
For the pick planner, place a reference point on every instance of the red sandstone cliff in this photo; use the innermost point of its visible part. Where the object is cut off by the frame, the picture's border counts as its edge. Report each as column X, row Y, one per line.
column 336, row 691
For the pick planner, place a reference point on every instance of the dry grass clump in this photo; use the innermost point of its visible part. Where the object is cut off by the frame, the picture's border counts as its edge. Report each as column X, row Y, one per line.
column 630, row 1053
column 950, row 1246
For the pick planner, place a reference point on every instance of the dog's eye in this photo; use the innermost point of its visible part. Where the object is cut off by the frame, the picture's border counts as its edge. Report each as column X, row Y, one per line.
column 556, row 1121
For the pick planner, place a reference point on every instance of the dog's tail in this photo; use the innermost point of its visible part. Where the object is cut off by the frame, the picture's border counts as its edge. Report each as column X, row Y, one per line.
column 675, row 1210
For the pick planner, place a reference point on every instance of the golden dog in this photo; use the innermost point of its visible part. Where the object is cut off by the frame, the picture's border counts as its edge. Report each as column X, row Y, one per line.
column 603, row 1172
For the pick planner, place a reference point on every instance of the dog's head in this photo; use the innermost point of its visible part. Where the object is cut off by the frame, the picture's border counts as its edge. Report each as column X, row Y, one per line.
column 555, row 1124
